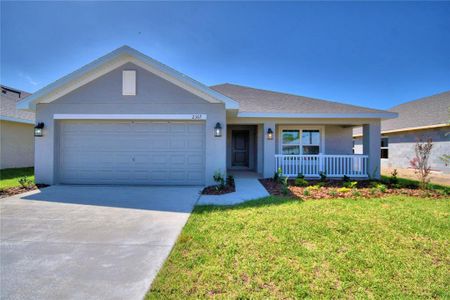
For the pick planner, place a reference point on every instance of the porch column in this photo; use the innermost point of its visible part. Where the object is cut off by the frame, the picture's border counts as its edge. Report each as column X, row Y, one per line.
column 269, row 150
column 371, row 147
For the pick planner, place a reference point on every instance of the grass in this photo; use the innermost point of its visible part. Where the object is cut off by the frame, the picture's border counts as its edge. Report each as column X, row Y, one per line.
column 278, row 248
column 9, row 177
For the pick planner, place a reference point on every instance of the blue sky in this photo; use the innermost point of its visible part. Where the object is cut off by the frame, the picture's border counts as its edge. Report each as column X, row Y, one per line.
column 370, row 54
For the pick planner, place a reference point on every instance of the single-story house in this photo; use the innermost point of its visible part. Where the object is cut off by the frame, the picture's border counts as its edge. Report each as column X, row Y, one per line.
column 16, row 131
column 128, row 119
column 422, row 119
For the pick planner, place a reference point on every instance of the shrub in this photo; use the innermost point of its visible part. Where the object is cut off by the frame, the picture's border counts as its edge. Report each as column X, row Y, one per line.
column 393, row 179
column 346, row 178
column 301, row 182
column 323, row 176
column 373, row 190
column 315, row 187
column 333, row 193
column 381, row 187
column 284, row 190
column 219, row 179
column 306, row 192
column 344, row 190
column 300, row 176
column 420, row 162
column 230, row 180
column 25, row 182
column 356, row 193
column 278, row 176
column 350, row 184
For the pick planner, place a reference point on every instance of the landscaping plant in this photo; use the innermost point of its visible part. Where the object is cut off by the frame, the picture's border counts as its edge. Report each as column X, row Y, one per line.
column 323, row 176
column 420, row 163
column 25, row 182
column 219, row 179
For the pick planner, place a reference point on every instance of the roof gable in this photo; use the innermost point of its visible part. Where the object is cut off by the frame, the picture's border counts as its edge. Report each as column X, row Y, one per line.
column 112, row 61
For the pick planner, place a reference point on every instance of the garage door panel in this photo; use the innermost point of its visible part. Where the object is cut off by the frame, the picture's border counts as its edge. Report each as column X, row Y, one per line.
column 127, row 152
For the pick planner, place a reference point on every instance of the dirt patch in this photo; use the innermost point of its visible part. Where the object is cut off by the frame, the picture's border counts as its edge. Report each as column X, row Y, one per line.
column 335, row 189
column 19, row 190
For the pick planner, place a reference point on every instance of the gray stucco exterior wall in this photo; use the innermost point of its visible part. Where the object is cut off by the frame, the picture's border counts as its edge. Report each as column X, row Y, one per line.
column 104, row 96
column 401, row 148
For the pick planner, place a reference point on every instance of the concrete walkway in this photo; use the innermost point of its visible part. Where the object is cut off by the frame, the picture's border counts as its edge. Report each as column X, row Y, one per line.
column 247, row 188
column 89, row 242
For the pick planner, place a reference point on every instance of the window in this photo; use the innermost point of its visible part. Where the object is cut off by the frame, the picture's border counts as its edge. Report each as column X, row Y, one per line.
column 311, row 141
column 294, row 144
column 290, row 142
column 384, row 147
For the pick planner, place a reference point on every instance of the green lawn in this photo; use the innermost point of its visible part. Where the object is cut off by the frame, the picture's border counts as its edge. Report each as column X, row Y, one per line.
column 9, row 177
column 395, row 247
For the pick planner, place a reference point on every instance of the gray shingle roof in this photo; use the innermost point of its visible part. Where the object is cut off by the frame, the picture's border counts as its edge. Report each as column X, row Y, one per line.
column 427, row 111
column 8, row 100
column 264, row 101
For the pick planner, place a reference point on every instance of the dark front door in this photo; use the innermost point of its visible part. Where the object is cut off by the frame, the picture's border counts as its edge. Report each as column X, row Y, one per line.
column 239, row 148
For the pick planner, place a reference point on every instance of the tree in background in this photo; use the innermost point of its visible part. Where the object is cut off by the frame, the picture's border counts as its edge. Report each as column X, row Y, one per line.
column 420, row 163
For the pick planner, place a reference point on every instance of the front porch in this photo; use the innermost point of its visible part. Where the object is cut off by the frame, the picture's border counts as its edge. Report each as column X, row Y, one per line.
column 307, row 149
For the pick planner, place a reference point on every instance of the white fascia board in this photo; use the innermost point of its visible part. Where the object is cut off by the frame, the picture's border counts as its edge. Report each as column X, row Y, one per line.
column 114, row 60
column 386, row 115
column 185, row 117
column 17, row 120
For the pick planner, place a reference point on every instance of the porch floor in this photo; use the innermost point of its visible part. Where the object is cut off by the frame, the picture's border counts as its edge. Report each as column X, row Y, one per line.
column 243, row 174
column 247, row 188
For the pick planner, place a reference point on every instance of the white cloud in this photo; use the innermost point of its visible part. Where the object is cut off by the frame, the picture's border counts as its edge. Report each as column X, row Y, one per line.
column 28, row 78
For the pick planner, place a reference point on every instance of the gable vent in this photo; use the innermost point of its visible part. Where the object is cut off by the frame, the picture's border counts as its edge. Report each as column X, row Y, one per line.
column 129, row 82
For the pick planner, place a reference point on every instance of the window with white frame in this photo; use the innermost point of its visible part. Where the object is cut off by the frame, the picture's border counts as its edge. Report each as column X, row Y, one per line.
column 384, row 147
column 296, row 141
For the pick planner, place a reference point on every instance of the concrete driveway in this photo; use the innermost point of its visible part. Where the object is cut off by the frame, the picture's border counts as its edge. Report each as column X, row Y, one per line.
column 89, row 242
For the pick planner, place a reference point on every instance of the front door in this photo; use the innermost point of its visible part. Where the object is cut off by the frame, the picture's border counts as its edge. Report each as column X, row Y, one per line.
column 239, row 148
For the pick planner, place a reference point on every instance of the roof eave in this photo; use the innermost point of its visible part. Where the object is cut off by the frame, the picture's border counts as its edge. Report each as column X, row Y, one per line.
column 375, row 115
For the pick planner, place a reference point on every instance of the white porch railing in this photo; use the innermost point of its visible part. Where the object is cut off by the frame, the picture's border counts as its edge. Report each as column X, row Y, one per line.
column 313, row 165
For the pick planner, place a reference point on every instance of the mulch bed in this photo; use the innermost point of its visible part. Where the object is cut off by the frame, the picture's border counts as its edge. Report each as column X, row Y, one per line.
column 330, row 190
column 214, row 189
column 19, row 190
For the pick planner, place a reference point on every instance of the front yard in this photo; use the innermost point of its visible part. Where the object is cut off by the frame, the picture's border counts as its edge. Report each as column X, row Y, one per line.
column 391, row 247
column 9, row 178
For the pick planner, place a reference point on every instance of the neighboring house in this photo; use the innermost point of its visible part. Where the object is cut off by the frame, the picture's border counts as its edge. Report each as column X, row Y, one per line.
column 422, row 119
column 128, row 119
column 16, row 131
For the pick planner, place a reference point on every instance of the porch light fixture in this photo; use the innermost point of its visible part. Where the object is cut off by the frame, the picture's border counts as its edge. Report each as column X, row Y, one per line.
column 218, row 130
column 39, row 129
column 269, row 134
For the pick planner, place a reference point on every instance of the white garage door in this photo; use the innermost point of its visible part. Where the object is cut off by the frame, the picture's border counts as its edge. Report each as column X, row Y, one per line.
column 132, row 152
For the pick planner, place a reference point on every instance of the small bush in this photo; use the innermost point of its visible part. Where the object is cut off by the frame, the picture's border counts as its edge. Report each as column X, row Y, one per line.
column 350, row 184
column 230, row 180
column 381, row 187
column 285, row 190
column 344, row 190
column 323, row 176
column 373, row 190
column 219, row 179
column 301, row 182
column 306, row 192
column 346, row 178
column 25, row 182
column 393, row 179
column 300, row 176
column 315, row 187
column 333, row 193
column 356, row 193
